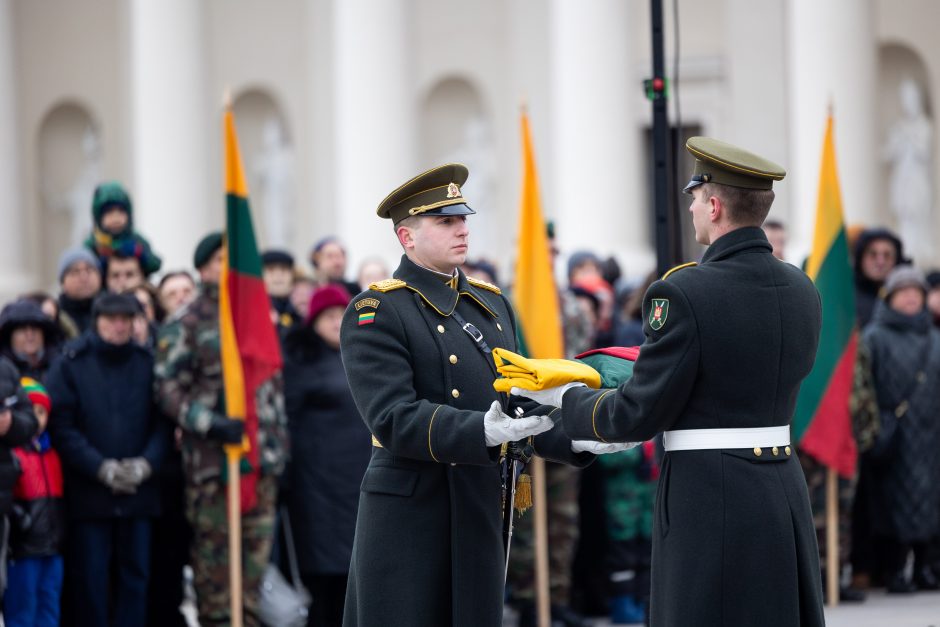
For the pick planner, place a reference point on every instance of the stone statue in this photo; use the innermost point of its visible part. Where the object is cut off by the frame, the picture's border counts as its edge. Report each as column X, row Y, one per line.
column 909, row 152
column 274, row 169
column 76, row 200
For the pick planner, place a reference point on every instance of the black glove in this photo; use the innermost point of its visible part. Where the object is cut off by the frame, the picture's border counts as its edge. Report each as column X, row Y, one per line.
column 226, row 430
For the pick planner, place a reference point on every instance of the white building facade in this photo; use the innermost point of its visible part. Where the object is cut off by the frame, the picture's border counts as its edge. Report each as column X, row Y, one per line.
column 339, row 101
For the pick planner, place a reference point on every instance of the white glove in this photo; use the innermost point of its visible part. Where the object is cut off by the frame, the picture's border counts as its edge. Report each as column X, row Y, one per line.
column 548, row 396
column 499, row 428
column 601, row 448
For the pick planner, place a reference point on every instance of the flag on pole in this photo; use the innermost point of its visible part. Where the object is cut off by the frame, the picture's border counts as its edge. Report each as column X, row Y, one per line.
column 535, row 298
column 249, row 346
column 822, row 424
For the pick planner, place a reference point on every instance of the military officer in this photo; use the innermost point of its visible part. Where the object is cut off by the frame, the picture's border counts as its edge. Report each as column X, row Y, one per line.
column 416, row 349
column 728, row 342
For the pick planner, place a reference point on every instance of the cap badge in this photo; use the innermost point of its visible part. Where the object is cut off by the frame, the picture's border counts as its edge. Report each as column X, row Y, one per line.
column 453, row 190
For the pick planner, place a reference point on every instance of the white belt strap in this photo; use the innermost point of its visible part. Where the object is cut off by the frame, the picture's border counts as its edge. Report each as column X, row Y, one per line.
column 701, row 439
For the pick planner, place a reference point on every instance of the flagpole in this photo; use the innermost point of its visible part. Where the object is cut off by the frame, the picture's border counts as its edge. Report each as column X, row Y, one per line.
column 832, row 537
column 234, row 537
column 540, row 525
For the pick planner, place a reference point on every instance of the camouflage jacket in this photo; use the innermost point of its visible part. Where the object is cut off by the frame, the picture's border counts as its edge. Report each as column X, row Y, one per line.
column 189, row 389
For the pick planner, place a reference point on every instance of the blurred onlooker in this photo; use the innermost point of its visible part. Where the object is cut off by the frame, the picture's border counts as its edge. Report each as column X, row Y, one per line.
column 905, row 357
column 585, row 270
column 46, row 302
column 122, row 273
column 277, row 270
column 630, row 330
column 110, row 440
column 372, row 271
column 80, row 281
column 18, row 425
column 301, row 294
column 175, row 290
column 28, row 338
column 38, row 527
column 328, row 258
column 933, row 295
column 776, row 234
column 480, row 269
column 113, row 233
column 330, row 450
column 877, row 251
column 145, row 322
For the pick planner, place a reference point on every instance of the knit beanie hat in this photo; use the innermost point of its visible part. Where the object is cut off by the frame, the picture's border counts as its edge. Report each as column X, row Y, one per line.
column 74, row 255
column 108, row 194
column 36, row 392
column 330, row 295
column 904, row 276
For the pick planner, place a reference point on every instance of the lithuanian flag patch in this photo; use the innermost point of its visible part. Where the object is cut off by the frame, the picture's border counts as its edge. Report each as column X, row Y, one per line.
column 366, row 318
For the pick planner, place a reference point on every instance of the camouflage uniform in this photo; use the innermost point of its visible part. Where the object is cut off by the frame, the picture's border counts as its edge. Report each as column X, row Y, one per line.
column 189, row 388
column 561, row 493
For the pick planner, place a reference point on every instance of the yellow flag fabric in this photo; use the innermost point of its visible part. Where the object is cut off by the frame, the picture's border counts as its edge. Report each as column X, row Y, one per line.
column 534, row 296
column 540, row 374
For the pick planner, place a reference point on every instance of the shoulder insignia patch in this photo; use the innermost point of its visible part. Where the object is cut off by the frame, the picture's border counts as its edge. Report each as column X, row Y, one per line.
column 367, row 302
column 366, row 317
column 658, row 313
column 387, row 285
column 484, row 285
column 677, row 268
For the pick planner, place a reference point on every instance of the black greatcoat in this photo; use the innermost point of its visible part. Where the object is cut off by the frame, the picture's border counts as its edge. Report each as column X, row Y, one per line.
column 428, row 548
column 733, row 539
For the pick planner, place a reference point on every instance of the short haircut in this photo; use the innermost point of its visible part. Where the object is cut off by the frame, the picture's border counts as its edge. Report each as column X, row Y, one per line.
column 746, row 207
column 774, row 224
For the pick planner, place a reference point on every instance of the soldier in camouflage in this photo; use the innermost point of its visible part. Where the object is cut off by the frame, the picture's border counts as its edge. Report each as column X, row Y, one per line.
column 189, row 388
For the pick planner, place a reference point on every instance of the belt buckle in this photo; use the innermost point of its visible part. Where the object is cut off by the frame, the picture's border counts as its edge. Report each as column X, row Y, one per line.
column 473, row 332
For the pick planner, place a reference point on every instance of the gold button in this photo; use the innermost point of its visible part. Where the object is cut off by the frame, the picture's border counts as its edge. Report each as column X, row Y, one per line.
column 776, row 451
column 757, row 451
column 787, row 451
column 453, row 359
column 440, row 328
column 499, row 326
column 455, row 393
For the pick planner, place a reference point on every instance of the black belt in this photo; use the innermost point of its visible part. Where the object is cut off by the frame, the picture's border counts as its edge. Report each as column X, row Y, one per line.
column 475, row 334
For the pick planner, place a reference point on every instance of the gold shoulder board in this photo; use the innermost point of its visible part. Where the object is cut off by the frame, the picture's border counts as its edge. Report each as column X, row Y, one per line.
column 387, row 285
column 484, row 285
column 679, row 267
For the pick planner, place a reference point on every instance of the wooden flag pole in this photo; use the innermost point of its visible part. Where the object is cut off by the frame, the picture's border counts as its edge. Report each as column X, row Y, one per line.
column 234, row 536
column 832, row 537
column 540, row 525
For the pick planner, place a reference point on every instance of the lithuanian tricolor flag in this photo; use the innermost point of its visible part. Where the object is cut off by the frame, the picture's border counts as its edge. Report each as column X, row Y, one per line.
column 250, row 350
column 822, row 425
column 535, row 298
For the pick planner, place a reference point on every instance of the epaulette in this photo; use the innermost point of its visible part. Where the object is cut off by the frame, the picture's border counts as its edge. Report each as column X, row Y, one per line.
column 677, row 268
column 387, row 285
column 484, row 285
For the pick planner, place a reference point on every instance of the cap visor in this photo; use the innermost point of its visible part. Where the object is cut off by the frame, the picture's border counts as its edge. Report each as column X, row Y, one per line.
column 692, row 185
column 459, row 209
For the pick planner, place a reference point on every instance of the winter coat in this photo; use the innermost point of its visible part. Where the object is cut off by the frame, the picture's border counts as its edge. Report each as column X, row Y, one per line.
column 21, row 313
column 22, row 429
column 330, row 449
column 38, row 520
column 905, row 484
column 866, row 290
column 727, row 345
column 102, row 409
column 76, row 313
column 428, row 549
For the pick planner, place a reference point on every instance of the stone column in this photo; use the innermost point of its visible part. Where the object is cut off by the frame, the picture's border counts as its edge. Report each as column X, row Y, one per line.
column 596, row 191
column 177, row 196
column 832, row 61
column 374, row 127
column 14, row 274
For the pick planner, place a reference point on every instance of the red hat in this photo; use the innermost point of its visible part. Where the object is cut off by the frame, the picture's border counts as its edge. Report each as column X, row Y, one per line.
column 330, row 295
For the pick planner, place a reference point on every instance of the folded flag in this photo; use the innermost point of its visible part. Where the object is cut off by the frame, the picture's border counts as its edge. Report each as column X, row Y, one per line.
column 614, row 363
column 539, row 374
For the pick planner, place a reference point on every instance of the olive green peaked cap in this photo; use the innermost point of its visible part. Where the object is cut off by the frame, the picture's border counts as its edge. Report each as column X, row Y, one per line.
column 432, row 193
column 719, row 162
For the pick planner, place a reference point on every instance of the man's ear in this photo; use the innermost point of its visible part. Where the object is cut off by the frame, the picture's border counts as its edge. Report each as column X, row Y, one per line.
column 716, row 210
column 405, row 236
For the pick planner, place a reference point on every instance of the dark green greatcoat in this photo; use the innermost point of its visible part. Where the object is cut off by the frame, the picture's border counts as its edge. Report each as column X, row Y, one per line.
column 428, row 548
column 733, row 538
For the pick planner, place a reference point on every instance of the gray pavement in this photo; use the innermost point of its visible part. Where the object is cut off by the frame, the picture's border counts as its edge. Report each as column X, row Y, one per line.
column 921, row 609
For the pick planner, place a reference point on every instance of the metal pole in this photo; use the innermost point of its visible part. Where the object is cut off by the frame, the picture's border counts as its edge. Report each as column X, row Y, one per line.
column 656, row 91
